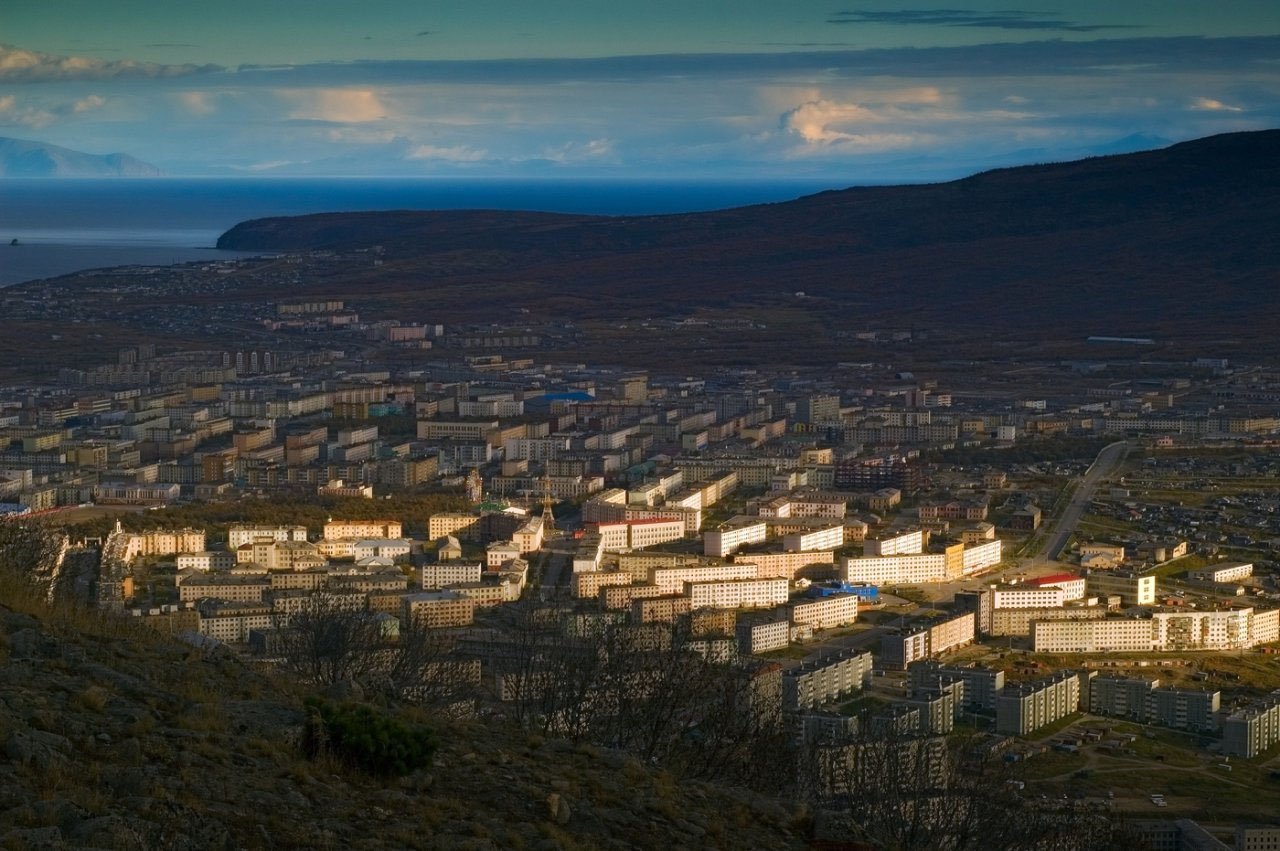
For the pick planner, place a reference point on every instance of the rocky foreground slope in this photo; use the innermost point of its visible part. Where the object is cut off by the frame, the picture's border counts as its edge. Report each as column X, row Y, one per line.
column 112, row 737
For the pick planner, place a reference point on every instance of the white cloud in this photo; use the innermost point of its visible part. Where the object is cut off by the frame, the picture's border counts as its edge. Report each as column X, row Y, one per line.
column 26, row 66
column 455, row 153
column 817, row 120
column 573, row 152
column 197, row 103
column 90, row 102
column 1211, row 105
column 342, row 106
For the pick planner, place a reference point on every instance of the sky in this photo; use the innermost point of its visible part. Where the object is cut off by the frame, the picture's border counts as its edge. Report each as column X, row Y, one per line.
column 747, row 89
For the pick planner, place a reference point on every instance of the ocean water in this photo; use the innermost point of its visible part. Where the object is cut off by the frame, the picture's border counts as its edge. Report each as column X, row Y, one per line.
column 64, row 226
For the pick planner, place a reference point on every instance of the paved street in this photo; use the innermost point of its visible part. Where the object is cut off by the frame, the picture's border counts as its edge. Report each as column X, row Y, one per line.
column 1103, row 466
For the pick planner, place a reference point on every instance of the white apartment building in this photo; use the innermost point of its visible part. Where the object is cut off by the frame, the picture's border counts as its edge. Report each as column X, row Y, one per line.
column 1110, row 635
column 1027, row 597
column 830, row 538
column 1225, row 571
column 982, row 556
column 238, row 536
column 392, row 548
column 762, row 636
column 826, row 612
column 206, row 561
column 896, row 570
column 638, row 534
column 901, row 544
column 671, row 580
column 1214, row 630
column 362, row 529
column 499, row 553
column 725, row 541
column 738, row 593
column 445, row 573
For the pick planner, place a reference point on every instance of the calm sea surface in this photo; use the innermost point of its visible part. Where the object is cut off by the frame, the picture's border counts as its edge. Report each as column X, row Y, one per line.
column 64, row 226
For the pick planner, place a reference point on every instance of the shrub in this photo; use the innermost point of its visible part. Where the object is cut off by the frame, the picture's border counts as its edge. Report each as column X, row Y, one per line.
column 366, row 739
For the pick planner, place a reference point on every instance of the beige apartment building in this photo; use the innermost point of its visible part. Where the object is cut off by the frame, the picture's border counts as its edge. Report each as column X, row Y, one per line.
column 444, row 573
column 615, row 598
column 672, row 580
column 437, row 609
column 238, row 536
column 240, row 589
column 816, row 564
column 460, row 525
column 363, row 529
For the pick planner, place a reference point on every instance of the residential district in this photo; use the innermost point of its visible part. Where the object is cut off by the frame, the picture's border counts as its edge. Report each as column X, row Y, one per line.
column 1076, row 566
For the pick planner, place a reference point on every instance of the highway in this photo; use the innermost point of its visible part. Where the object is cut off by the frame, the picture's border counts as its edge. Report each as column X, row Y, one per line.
column 1064, row 526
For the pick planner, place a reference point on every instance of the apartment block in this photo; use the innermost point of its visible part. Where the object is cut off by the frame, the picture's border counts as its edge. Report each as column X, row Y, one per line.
column 334, row 529
column 738, row 593
column 900, row 544
column 825, row 612
column 930, row 638
column 461, row 525
column 666, row 609
column 1023, row 708
column 672, row 579
column 444, row 573
column 810, row 565
column 438, row 609
column 762, row 635
column 588, row 583
column 1018, row 621
column 823, row 680
column 829, row 538
column 1109, row 635
column 1133, row 589
column 726, row 540
column 981, row 685
column 238, row 536
column 1254, row 729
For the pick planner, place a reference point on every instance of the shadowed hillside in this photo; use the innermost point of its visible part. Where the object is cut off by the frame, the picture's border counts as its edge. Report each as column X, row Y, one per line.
column 1099, row 245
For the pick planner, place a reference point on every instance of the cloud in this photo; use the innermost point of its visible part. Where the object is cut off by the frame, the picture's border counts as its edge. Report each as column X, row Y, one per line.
column 1011, row 19
column 577, row 152
column 813, row 121
column 455, row 153
column 341, row 106
column 1211, row 105
column 7, row 103
column 88, row 103
column 197, row 103
column 31, row 66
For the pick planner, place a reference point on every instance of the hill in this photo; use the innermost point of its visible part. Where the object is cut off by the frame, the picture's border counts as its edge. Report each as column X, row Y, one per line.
column 1105, row 245
column 117, row 737
column 22, row 158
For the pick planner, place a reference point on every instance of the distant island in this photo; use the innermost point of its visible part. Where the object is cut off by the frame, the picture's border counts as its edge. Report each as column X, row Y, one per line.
column 24, row 158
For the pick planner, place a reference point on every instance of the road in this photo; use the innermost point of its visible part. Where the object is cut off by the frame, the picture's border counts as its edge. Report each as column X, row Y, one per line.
column 1103, row 466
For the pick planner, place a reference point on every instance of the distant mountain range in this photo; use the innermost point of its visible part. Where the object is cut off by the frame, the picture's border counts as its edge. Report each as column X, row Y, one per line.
column 1177, row 240
column 23, row 158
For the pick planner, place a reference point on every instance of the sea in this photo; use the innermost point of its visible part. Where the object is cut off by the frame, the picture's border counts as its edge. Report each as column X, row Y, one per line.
column 66, row 225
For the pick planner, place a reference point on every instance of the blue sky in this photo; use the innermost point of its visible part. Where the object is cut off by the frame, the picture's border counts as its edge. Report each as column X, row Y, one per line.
column 743, row 89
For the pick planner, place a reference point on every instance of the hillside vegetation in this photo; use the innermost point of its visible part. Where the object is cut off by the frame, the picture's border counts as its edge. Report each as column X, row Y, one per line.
column 1100, row 246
